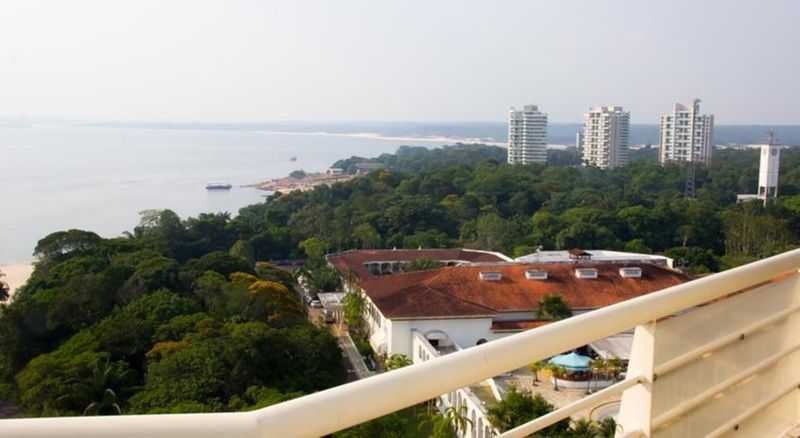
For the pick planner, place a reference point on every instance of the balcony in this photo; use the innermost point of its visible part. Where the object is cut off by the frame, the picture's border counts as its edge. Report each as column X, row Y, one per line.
column 717, row 356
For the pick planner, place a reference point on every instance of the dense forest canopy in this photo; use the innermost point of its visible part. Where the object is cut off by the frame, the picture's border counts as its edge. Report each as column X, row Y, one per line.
column 172, row 318
column 176, row 316
column 467, row 196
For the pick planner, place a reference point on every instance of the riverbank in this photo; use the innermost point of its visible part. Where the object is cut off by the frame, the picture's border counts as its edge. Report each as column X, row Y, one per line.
column 306, row 182
column 16, row 274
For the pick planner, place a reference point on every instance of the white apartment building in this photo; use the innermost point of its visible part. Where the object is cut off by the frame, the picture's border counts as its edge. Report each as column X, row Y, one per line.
column 527, row 135
column 605, row 137
column 686, row 134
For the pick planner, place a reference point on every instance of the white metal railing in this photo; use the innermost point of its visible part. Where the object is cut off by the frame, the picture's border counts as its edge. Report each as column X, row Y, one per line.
column 341, row 407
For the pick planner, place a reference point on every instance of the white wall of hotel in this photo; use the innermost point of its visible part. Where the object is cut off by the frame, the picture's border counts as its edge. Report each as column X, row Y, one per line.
column 478, row 426
column 393, row 336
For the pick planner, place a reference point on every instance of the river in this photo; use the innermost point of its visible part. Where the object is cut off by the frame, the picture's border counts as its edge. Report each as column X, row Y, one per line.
column 97, row 178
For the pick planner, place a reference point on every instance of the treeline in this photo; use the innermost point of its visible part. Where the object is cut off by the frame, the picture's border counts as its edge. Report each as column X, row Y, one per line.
column 174, row 317
column 516, row 209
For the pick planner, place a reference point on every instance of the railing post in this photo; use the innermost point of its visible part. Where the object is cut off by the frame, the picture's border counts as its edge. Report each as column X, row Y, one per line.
column 636, row 407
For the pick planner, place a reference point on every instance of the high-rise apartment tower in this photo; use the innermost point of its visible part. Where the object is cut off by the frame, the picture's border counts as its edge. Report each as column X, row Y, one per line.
column 527, row 135
column 686, row 135
column 605, row 137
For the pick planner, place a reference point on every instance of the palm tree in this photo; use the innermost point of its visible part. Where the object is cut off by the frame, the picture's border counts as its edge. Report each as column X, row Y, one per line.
column 438, row 424
column 102, row 393
column 397, row 360
column 583, row 428
column 615, row 365
column 607, row 427
column 355, row 305
column 599, row 366
column 534, row 369
column 552, row 306
column 557, row 371
column 457, row 417
column 349, row 278
column 500, row 416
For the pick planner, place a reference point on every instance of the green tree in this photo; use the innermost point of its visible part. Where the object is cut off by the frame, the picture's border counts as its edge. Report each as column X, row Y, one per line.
column 557, row 371
column 457, row 417
column 519, row 407
column 534, row 368
column 105, row 390
column 436, row 424
column 5, row 291
column 366, row 236
column 156, row 273
column 583, row 428
column 615, row 366
column 314, row 247
column 397, row 360
column 355, row 306
column 421, row 265
column 63, row 244
column 553, row 306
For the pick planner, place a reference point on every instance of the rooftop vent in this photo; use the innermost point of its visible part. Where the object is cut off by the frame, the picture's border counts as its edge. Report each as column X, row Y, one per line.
column 630, row 272
column 586, row 273
column 490, row 276
column 536, row 275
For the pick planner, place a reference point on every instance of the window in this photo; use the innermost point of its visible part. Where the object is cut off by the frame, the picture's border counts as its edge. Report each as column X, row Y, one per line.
column 490, row 276
column 585, row 273
column 536, row 275
column 630, row 272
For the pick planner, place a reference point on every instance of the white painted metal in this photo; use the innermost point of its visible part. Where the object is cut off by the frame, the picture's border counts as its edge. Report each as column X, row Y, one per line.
column 688, row 405
column 337, row 408
column 722, row 382
column 731, row 425
column 724, row 340
column 636, row 406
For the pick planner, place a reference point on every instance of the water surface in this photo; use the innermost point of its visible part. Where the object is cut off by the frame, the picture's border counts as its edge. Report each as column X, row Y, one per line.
column 99, row 179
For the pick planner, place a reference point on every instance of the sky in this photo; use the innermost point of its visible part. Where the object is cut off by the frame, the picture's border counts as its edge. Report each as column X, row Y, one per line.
column 436, row 61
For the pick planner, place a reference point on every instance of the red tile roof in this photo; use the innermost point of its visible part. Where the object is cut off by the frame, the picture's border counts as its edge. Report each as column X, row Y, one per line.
column 515, row 326
column 457, row 291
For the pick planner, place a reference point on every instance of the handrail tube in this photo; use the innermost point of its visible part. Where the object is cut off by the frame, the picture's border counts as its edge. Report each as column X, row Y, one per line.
column 235, row 424
column 686, row 406
column 723, row 341
column 564, row 412
column 344, row 406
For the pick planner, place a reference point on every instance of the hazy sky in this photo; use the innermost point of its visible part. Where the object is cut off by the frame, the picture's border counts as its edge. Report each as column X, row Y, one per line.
column 429, row 60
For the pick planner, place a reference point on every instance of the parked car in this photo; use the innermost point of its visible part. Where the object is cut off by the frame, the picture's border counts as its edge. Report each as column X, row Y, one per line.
column 317, row 304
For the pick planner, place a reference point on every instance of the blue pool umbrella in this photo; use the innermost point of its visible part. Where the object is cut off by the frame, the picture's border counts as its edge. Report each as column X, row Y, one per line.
column 572, row 361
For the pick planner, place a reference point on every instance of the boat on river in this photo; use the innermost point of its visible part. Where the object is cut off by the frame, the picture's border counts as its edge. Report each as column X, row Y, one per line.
column 218, row 186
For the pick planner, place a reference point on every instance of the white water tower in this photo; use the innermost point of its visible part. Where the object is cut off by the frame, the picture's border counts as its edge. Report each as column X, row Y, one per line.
column 768, row 171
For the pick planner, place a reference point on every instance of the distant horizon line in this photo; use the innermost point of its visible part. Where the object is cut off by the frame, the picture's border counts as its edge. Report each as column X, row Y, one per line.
column 6, row 120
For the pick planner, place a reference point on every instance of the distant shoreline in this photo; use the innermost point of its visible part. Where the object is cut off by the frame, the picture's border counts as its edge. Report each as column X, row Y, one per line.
column 378, row 136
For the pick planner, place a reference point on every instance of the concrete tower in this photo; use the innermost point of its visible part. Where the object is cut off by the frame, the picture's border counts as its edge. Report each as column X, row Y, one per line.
column 768, row 172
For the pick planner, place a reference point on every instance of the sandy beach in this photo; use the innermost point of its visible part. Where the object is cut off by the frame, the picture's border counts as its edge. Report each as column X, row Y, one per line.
column 16, row 274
